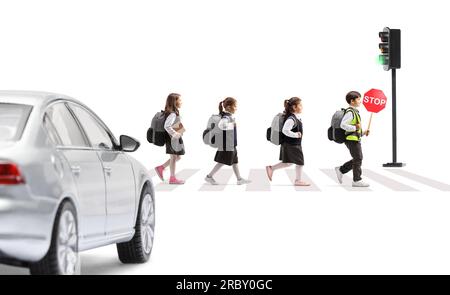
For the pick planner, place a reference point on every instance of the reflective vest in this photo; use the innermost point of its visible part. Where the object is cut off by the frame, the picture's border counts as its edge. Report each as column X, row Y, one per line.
column 354, row 135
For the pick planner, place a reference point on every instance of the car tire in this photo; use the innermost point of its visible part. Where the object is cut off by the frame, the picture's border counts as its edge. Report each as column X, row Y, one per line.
column 139, row 248
column 62, row 257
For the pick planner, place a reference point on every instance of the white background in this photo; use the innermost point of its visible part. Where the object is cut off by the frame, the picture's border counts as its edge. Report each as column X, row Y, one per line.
column 122, row 58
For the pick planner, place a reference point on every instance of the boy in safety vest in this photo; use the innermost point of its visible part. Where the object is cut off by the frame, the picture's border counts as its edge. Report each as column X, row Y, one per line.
column 351, row 123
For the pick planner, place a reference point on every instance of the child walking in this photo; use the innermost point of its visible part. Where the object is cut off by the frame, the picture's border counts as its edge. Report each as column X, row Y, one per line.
column 291, row 145
column 351, row 123
column 173, row 137
column 227, row 153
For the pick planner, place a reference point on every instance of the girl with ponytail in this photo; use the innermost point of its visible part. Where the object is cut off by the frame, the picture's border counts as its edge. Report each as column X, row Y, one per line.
column 174, row 142
column 291, row 145
column 227, row 153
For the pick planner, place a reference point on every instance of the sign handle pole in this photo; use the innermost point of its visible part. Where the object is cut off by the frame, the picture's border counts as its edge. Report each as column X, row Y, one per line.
column 394, row 123
column 370, row 121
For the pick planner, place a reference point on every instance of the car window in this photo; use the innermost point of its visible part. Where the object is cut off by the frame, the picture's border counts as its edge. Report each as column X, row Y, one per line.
column 13, row 118
column 51, row 130
column 65, row 126
column 97, row 135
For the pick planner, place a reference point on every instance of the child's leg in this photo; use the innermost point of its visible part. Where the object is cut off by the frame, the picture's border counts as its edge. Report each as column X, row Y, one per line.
column 298, row 176
column 357, row 161
column 236, row 171
column 215, row 169
column 280, row 165
column 166, row 164
column 298, row 172
column 173, row 164
column 346, row 167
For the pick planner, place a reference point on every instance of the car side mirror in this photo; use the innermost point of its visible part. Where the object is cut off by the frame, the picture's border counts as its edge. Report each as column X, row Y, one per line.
column 129, row 144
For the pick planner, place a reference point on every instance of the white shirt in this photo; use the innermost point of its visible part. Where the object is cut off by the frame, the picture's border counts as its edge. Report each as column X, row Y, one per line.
column 227, row 122
column 345, row 123
column 170, row 123
column 288, row 125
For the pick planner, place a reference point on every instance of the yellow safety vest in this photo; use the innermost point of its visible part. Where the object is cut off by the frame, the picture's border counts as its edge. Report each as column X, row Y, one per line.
column 354, row 135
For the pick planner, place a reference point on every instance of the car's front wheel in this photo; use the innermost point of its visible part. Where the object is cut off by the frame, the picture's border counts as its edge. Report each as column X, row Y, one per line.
column 138, row 249
column 62, row 257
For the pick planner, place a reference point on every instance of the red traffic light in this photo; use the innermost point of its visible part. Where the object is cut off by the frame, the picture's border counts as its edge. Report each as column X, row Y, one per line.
column 384, row 36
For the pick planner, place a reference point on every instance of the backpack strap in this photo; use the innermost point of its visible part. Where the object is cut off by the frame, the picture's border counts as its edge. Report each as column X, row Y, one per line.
column 358, row 119
column 293, row 117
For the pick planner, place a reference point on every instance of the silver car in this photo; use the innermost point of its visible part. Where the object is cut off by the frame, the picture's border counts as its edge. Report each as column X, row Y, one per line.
column 67, row 185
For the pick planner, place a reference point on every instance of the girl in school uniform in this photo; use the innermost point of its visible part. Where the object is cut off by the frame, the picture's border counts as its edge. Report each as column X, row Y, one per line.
column 227, row 153
column 291, row 147
column 174, row 140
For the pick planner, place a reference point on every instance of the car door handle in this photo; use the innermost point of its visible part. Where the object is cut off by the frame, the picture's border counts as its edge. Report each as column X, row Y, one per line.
column 107, row 170
column 76, row 169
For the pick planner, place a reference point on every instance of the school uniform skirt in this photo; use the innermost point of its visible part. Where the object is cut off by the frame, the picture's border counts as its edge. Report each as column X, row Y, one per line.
column 226, row 157
column 174, row 146
column 292, row 153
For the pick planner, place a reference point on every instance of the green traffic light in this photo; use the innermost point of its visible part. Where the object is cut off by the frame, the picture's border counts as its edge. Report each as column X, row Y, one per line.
column 382, row 59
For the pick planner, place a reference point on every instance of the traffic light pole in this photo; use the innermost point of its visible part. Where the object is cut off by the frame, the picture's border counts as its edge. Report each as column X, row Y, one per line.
column 394, row 123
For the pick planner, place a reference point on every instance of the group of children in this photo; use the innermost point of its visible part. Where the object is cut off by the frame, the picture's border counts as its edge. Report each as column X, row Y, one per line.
column 291, row 144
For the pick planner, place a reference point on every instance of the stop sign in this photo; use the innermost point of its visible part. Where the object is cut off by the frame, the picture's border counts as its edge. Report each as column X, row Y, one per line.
column 374, row 100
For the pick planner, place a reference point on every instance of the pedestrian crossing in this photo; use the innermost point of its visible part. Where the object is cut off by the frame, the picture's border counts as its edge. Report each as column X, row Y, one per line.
column 381, row 180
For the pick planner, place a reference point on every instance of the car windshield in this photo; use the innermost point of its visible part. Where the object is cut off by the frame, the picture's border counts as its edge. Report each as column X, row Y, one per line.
column 13, row 118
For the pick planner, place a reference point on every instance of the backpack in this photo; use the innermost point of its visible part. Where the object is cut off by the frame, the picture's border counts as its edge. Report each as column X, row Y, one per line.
column 274, row 133
column 156, row 134
column 210, row 134
column 335, row 132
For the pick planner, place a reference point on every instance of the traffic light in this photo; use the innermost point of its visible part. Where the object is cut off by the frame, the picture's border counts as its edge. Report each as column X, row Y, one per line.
column 390, row 49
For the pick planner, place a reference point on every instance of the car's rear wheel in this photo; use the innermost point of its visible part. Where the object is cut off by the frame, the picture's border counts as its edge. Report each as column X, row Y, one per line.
column 138, row 249
column 62, row 257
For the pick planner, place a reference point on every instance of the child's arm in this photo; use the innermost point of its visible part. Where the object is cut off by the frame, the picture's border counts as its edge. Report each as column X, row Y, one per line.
column 168, row 126
column 345, row 123
column 287, row 127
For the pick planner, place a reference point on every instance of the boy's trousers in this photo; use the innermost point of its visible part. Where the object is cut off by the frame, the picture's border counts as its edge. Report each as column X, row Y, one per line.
column 355, row 164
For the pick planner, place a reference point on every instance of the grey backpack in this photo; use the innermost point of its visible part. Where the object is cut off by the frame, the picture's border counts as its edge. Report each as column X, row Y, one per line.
column 274, row 133
column 335, row 132
column 212, row 131
column 156, row 134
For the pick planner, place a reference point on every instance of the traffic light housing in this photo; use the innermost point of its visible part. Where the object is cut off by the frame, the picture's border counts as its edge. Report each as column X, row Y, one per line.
column 390, row 56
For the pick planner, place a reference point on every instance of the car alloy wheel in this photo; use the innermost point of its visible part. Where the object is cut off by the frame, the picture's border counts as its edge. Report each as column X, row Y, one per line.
column 147, row 223
column 67, row 245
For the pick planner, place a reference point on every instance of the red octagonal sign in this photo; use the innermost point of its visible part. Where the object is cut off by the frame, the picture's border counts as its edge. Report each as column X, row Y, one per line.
column 374, row 100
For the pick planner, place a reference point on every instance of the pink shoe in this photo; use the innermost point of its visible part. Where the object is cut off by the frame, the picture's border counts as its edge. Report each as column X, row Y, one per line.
column 159, row 170
column 174, row 180
column 269, row 172
column 301, row 183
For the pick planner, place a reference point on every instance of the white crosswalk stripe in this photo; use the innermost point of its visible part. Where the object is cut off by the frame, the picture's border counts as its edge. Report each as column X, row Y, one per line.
column 259, row 179
column 421, row 179
column 381, row 180
column 387, row 181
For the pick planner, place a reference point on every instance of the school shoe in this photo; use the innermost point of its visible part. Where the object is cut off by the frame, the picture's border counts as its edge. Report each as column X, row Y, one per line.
column 243, row 181
column 301, row 183
column 269, row 171
column 174, row 180
column 159, row 171
column 211, row 180
column 339, row 174
column 360, row 184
